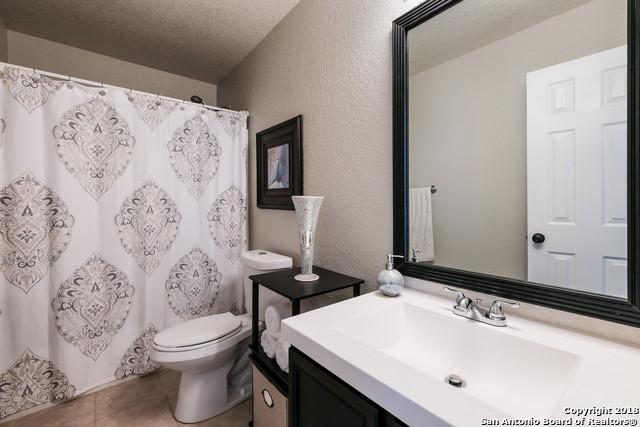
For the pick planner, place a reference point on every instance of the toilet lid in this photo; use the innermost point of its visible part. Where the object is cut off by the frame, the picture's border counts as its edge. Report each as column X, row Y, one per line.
column 199, row 331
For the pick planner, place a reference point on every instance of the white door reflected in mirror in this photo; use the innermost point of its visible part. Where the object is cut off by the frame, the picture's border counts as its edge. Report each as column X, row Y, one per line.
column 576, row 173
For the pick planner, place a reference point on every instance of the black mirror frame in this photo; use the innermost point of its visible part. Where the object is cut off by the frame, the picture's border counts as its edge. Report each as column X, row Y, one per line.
column 620, row 310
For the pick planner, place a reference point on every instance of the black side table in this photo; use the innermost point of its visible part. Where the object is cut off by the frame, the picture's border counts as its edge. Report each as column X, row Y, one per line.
column 283, row 283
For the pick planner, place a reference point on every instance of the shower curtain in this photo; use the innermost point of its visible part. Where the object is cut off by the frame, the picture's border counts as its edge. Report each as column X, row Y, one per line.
column 121, row 214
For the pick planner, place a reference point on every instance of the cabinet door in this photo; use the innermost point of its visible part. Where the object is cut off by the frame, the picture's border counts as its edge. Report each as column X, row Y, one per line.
column 391, row 421
column 319, row 399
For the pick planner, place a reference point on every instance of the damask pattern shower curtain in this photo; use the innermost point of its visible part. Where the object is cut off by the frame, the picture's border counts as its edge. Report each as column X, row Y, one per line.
column 121, row 214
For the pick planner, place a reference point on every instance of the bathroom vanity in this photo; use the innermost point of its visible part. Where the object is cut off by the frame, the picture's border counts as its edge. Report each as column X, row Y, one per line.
column 371, row 360
column 319, row 398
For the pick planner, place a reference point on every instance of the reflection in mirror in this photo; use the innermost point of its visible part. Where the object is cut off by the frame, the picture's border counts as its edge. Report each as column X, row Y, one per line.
column 517, row 114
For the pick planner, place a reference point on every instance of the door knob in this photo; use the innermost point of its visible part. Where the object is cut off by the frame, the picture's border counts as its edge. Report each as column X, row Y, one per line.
column 538, row 238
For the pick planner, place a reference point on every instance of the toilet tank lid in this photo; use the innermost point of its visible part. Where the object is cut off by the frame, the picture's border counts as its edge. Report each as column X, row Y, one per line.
column 265, row 260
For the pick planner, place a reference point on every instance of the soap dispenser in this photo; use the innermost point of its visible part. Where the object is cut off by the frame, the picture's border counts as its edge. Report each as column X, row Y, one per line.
column 390, row 281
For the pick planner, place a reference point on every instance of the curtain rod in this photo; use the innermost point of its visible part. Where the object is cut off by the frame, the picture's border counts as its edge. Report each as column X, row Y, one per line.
column 105, row 85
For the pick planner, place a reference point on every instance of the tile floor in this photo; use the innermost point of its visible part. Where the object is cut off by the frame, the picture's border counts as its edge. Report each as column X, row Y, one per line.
column 147, row 401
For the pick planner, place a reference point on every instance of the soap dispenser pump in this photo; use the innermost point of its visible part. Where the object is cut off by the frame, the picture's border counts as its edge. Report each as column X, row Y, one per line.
column 390, row 281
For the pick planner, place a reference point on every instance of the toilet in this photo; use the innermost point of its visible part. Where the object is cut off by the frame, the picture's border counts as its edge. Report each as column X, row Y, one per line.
column 212, row 352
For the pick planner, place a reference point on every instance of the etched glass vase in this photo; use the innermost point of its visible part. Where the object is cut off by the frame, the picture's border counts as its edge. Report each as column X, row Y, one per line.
column 307, row 210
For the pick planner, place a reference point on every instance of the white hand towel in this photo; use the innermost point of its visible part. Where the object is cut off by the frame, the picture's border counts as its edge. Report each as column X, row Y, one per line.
column 274, row 314
column 420, row 225
column 268, row 342
column 282, row 354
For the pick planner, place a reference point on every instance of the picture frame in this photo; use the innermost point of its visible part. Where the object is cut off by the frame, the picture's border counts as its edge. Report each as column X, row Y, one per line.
column 279, row 164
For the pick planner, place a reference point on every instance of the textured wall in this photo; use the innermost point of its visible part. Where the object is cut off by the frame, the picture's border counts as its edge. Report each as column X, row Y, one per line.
column 330, row 60
column 46, row 55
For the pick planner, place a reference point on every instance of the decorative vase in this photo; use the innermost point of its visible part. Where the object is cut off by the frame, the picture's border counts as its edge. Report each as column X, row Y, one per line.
column 307, row 210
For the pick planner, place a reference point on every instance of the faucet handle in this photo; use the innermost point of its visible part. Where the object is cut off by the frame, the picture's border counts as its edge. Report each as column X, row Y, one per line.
column 495, row 311
column 461, row 300
column 459, row 293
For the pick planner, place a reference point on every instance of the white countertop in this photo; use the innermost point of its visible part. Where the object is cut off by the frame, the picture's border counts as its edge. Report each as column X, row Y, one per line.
column 603, row 373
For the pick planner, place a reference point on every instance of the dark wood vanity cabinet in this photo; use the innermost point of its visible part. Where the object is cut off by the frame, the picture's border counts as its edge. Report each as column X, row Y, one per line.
column 317, row 398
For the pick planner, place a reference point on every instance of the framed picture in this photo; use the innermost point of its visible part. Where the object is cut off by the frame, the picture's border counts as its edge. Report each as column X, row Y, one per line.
column 279, row 164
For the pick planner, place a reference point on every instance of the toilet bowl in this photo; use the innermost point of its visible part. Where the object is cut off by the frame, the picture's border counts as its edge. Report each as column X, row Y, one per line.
column 212, row 352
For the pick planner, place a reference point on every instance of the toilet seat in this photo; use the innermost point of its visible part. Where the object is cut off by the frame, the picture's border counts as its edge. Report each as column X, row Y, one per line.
column 197, row 333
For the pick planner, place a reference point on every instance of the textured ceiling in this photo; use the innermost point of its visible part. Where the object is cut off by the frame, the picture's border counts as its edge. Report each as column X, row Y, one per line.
column 201, row 39
column 476, row 23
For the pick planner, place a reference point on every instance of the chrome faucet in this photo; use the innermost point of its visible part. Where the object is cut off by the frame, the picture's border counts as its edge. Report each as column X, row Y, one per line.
column 475, row 311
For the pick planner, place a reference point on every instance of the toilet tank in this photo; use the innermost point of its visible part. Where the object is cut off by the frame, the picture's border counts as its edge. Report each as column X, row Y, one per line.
column 259, row 261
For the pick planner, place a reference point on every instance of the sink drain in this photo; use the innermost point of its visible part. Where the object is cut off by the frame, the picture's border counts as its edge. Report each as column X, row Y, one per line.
column 455, row 381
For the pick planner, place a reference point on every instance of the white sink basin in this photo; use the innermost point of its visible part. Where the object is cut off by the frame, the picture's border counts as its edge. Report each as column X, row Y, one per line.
column 398, row 351
column 501, row 371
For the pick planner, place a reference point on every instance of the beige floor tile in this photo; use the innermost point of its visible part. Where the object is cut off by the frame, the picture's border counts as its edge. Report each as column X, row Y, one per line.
column 170, row 380
column 150, row 413
column 78, row 412
column 148, row 401
column 238, row 416
column 123, row 396
column 172, row 398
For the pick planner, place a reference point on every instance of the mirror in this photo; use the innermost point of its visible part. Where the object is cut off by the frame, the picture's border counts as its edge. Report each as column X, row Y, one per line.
column 517, row 142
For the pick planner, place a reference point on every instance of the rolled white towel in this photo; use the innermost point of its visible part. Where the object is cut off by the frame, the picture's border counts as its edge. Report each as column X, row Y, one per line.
column 268, row 342
column 282, row 354
column 274, row 314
